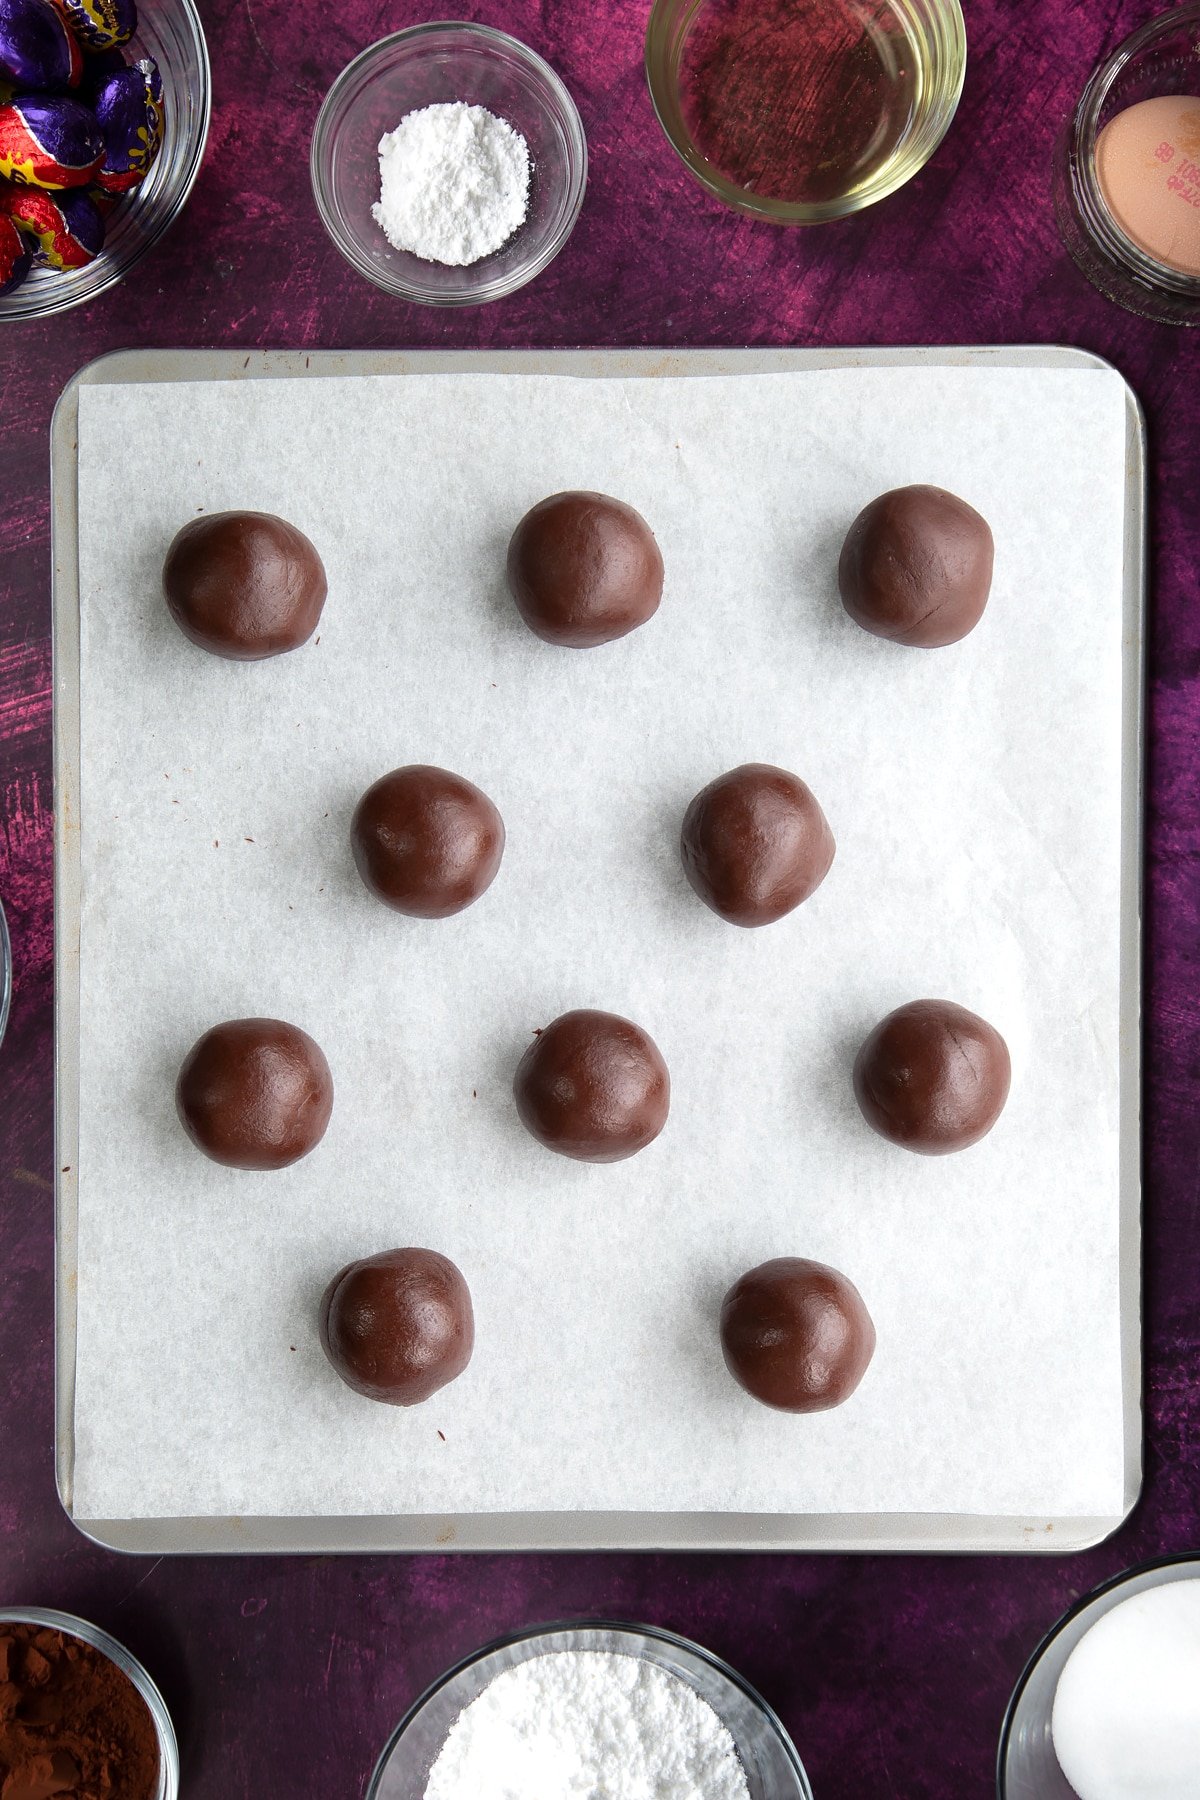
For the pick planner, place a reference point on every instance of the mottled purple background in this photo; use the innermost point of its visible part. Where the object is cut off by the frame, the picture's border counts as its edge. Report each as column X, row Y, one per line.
column 892, row 1674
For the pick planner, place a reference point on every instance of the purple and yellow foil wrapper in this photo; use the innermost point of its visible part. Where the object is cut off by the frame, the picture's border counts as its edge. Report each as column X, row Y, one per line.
column 101, row 24
column 49, row 141
column 16, row 257
column 38, row 48
column 129, row 112
column 65, row 229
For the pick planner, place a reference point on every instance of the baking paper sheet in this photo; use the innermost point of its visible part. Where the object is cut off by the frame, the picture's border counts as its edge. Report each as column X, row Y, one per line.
column 974, row 795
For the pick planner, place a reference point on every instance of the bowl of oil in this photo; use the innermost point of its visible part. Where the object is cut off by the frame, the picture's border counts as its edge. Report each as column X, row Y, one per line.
column 804, row 111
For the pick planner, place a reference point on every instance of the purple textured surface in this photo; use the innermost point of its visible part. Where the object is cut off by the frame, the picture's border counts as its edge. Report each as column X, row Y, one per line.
column 285, row 1676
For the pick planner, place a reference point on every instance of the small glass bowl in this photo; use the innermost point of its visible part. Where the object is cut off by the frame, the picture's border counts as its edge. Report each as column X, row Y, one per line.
column 773, row 1769
column 5, row 974
column 935, row 40
column 1027, row 1768
column 170, row 31
column 1163, row 57
column 168, row 1748
column 423, row 66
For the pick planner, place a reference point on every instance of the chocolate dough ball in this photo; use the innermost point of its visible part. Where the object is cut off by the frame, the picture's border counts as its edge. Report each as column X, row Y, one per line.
column 796, row 1335
column 244, row 585
column 426, row 842
column 755, row 844
column 255, row 1094
column 584, row 569
column 398, row 1326
column 916, row 567
column 932, row 1077
column 593, row 1086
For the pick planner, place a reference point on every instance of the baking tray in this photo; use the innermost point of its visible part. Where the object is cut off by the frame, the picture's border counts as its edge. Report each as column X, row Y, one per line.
column 593, row 1530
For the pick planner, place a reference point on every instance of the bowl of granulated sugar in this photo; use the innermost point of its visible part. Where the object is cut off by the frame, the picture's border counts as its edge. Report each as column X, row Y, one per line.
column 449, row 164
column 1108, row 1706
column 562, row 1711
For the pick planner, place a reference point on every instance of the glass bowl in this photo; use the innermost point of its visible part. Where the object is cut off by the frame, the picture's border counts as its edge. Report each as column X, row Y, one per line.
column 423, row 66
column 5, row 973
column 773, row 1769
column 1163, row 57
column 168, row 1748
column 746, row 95
column 1027, row 1768
column 170, row 31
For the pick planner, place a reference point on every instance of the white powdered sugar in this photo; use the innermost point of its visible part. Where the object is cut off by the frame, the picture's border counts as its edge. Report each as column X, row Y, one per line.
column 454, row 183
column 587, row 1725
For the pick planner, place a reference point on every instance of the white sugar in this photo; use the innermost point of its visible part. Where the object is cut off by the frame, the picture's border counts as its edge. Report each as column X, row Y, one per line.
column 587, row 1725
column 454, row 183
column 1126, row 1720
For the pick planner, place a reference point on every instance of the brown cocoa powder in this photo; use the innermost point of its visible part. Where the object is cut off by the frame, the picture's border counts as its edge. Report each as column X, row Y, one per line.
column 72, row 1726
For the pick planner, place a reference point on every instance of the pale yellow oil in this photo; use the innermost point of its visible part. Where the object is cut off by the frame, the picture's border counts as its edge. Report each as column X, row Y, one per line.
column 803, row 101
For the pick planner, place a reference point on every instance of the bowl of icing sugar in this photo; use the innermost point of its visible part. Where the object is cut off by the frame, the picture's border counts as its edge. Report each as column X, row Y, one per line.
column 449, row 164
column 568, row 1712
column 1108, row 1707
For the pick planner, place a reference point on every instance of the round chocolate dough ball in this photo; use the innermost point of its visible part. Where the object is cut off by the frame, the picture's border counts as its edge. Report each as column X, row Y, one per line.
column 755, row 844
column 426, row 842
column 593, row 1086
column 584, row 569
column 916, row 567
column 398, row 1326
column 255, row 1094
column 244, row 585
column 796, row 1335
column 932, row 1077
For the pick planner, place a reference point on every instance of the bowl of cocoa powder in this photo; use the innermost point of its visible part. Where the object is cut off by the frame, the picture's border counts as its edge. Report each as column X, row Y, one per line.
column 79, row 1716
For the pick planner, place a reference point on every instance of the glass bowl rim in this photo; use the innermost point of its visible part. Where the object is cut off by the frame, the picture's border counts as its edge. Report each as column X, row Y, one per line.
column 1082, row 134
column 485, row 37
column 559, row 1627
column 798, row 212
column 115, row 274
column 5, row 972
column 83, row 1629
column 1176, row 1560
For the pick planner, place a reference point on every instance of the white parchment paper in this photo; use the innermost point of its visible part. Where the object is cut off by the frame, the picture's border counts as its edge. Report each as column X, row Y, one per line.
column 974, row 795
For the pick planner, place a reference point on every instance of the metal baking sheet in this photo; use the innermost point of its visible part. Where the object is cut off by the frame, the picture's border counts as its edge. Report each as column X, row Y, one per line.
column 559, row 1529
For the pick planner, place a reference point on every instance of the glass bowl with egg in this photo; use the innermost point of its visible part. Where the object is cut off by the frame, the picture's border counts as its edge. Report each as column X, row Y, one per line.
column 440, row 64
column 768, row 1760
column 1126, row 172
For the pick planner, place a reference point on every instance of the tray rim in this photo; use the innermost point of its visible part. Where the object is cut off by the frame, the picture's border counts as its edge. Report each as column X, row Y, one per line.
column 350, row 1534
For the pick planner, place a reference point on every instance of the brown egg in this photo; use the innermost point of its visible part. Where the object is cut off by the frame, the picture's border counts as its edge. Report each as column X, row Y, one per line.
column 593, row 1086
column 255, row 1094
column 916, row 567
column 398, row 1326
column 584, row 569
column 796, row 1335
column 755, row 844
column 426, row 842
column 932, row 1077
column 244, row 585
